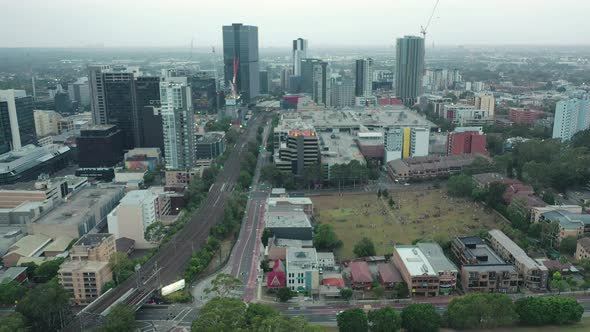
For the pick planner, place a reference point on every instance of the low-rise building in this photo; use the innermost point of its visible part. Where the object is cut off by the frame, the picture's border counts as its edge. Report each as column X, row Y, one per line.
column 30, row 161
column 482, row 270
column 425, row 269
column 360, row 276
column 583, row 248
column 302, row 270
column 290, row 203
column 28, row 246
column 142, row 159
column 525, row 115
column 84, row 279
column 428, row 167
column 16, row 273
column 570, row 224
column 326, row 260
column 58, row 246
column 94, row 247
column 276, row 278
column 208, row 147
column 389, row 276
column 532, row 274
column 289, row 225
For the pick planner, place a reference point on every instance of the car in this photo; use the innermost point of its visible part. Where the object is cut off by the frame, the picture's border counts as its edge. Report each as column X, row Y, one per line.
column 406, row 184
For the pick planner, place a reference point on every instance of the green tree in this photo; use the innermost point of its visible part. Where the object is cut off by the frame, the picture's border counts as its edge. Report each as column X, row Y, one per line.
column 120, row 318
column 517, row 214
column 223, row 285
column 479, row 311
column 568, row 245
column 460, row 186
column 385, row 319
column 46, row 306
column 537, row 311
column 401, row 290
column 285, row 294
column 352, row 320
column 364, row 248
column 266, row 234
column 48, row 270
column 14, row 322
column 420, row 317
column 558, row 283
column 10, row 292
column 245, row 179
column 221, row 315
column 548, row 198
column 257, row 312
column 121, row 266
column 378, row 291
column 346, row 293
column 325, row 238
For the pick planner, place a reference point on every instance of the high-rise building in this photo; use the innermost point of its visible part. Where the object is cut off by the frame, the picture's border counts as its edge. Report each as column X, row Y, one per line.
column 79, row 91
column 46, row 122
column 118, row 96
column 17, row 123
column 299, row 53
column 314, row 74
column 364, row 78
column 409, row 68
column 464, row 140
column 100, row 146
column 264, row 81
column 419, row 140
column 178, row 123
column 153, row 132
column 485, row 103
column 406, row 142
column 286, row 73
column 240, row 47
column 571, row 116
column 342, row 93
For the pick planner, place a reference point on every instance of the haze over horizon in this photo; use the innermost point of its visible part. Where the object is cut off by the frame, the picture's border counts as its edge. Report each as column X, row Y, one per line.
column 174, row 23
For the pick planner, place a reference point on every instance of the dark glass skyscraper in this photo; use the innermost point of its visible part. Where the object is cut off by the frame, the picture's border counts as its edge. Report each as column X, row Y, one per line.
column 409, row 68
column 147, row 92
column 17, row 124
column 240, row 42
column 314, row 80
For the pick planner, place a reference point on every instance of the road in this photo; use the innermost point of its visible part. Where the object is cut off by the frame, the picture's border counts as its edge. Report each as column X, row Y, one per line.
column 170, row 261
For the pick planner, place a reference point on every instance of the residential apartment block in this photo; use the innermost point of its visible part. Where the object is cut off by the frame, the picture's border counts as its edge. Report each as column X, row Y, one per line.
column 85, row 279
column 532, row 274
column 94, row 247
column 583, row 248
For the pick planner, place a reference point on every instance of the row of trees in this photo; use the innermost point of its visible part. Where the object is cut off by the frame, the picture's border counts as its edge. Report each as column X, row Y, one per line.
column 474, row 311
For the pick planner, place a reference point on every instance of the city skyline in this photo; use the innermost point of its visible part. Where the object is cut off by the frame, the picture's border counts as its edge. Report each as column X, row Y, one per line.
column 457, row 22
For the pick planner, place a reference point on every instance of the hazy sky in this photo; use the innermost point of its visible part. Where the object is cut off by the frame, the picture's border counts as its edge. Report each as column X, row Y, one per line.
column 120, row 23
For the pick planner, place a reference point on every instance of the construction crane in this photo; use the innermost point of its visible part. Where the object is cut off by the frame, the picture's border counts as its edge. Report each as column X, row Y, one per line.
column 424, row 29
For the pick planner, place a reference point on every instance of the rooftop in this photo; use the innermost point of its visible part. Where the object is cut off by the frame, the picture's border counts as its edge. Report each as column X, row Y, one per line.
column 490, row 268
column 301, row 257
column 414, row 260
column 59, row 244
column 82, row 266
column 11, row 273
column 339, row 148
column 476, row 249
column 28, row 157
column 296, row 219
column 515, row 250
column 92, row 239
column 359, row 272
column 291, row 200
column 389, row 273
column 436, row 257
column 211, row 137
column 379, row 116
column 78, row 207
column 29, row 245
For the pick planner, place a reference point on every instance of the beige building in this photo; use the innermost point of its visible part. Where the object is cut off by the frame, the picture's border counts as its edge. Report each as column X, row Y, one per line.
column 583, row 248
column 532, row 274
column 46, row 122
column 85, row 279
column 537, row 212
column 130, row 219
column 486, row 103
column 94, row 247
column 28, row 246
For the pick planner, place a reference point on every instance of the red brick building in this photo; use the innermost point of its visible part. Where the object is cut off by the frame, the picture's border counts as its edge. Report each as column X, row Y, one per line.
column 466, row 143
column 360, row 276
column 525, row 116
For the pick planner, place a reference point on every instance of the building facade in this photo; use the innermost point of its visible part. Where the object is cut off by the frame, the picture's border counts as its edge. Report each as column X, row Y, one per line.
column 364, row 77
column 178, row 123
column 46, row 122
column 302, row 269
column 299, row 53
column 94, row 247
column 409, row 68
column 17, row 123
column 466, row 140
column 100, row 146
column 240, row 44
column 314, row 80
column 84, row 279
column 571, row 116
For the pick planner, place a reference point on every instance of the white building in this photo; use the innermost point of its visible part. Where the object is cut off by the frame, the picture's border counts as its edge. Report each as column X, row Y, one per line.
column 299, row 53
column 419, row 142
column 130, row 219
column 302, row 269
column 406, row 143
column 571, row 116
column 364, row 77
column 46, row 122
column 178, row 123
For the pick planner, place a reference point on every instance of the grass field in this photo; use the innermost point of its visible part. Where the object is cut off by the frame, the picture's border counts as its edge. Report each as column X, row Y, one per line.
column 424, row 214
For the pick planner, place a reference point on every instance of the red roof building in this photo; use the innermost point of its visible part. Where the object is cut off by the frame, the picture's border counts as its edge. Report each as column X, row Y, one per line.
column 382, row 101
column 360, row 276
column 333, row 282
column 466, row 143
column 389, row 276
column 277, row 277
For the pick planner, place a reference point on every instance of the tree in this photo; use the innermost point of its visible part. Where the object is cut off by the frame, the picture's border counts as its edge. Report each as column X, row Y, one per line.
column 548, row 198
column 460, row 186
column 364, row 248
column 537, row 311
column 46, row 306
column 221, row 314
column 48, row 270
column 517, row 215
column 378, row 291
column 257, row 312
column 10, row 292
column 401, row 290
column 325, row 238
column 223, row 285
column 558, row 283
column 568, row 245
column 352, row 320
column 264, row 265
column 245, row 179
column 266, row 234
column 285, row 294
column 479, row 311
column 14, row 322
column 420, row 317
column 121, row 266
column 120, row 318
column 385, row 319
column 346, row 293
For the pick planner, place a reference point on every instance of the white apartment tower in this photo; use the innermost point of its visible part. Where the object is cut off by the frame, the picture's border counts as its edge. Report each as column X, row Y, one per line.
column 571, row 116
column 130, row 219
column 178, row 123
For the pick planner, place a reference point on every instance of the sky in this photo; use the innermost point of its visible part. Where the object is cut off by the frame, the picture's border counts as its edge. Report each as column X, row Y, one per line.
column 325, row 23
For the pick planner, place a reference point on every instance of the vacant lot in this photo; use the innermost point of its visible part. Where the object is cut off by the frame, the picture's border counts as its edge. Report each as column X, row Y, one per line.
column 424, row 214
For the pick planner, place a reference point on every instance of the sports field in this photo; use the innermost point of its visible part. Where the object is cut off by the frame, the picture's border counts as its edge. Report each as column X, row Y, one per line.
column 423, row 214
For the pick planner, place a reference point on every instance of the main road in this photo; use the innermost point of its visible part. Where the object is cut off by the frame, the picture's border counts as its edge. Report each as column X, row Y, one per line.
column 170, row 261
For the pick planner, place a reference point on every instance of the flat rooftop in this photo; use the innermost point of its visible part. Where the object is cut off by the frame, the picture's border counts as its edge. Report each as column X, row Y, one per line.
column 75, row 209
column 82, row 266
column 490, row 268
column 416, row 263
column 92, row 239
column 339, row 148
column 436, row 257
column 301, row 257
column 294, row 219
column 516, row 251
column 380, row 117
